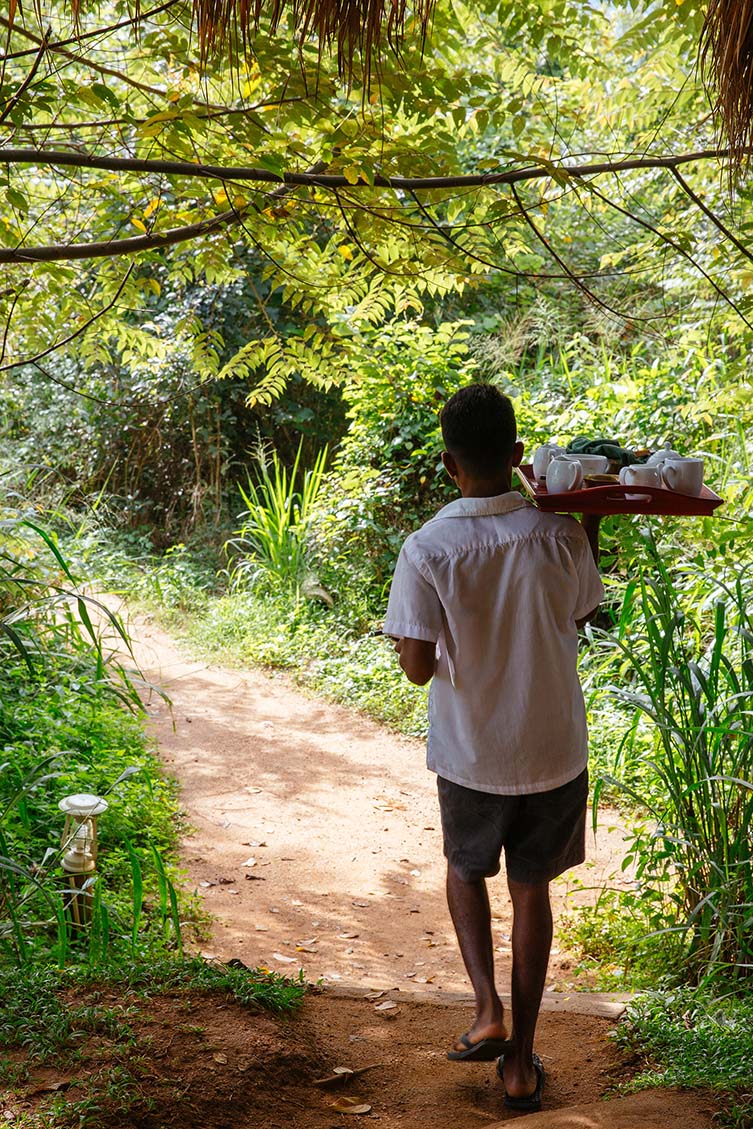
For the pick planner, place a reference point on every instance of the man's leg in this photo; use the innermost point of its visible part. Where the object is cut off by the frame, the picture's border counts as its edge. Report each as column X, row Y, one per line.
column 531, row 943
column 471, row 916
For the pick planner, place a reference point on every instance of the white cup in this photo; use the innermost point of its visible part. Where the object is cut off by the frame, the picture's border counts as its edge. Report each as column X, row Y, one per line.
column 683, row 475
column 660, row 457
column 640, row 475
column 591, row 464
column 563, row 475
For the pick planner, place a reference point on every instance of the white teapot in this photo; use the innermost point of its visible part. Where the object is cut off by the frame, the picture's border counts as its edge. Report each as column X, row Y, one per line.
column 660, row 457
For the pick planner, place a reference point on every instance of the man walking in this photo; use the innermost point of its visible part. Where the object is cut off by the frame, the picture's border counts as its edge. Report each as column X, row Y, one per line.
column 486, row 600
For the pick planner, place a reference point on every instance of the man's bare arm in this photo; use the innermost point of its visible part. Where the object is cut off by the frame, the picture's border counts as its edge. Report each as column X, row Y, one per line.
column 417, row 659
column 591, row 523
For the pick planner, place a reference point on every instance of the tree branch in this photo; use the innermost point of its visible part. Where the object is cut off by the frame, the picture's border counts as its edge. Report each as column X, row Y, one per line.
column 110, row 248
column 97, row 67
column 577, row 282
column 97, row 33
column 77, row 332
column 29, row 78
column 53, row 158
column 711, row 215
column 670, row 242
column 314, row 177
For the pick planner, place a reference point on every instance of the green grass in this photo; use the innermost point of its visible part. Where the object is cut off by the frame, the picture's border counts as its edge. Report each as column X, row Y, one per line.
column 687, row 1037
column 39, row 1011
column 50, row 1013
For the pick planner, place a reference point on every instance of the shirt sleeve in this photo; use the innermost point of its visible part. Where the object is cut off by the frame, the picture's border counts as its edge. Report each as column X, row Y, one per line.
column 590, row 587
column 414, row 610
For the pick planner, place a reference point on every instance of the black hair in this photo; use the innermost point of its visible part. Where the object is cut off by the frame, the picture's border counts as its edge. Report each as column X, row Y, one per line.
column 479, row 429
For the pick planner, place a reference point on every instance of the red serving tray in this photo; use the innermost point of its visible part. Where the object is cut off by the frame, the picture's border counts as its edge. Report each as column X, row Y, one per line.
column 613, row 498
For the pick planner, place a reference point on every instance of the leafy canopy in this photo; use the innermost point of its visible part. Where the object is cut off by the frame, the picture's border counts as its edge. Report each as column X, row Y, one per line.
column 535, row 89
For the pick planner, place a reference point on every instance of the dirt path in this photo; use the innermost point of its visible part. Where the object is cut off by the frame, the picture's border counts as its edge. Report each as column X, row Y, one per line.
column 317, row 832
column 316, row 844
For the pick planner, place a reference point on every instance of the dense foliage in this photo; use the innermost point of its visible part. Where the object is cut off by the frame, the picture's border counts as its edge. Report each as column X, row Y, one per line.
column 68, row 725
column 202, row 358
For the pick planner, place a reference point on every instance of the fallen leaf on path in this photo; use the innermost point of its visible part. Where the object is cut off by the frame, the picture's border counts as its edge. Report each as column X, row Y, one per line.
column 261, row 928
column 306, row 949
column 374, row 995
column 284, row 959
column 255, row 878
column 219, row 1057
column 424, row 980
column 343, row 1070
column 360, row 905
column 347, row 936
column 387, row 1005
column 250, row 861
column 416, row 873
column 233, row 892
column 225, row 881
column 206, row 885
column 414, row 909
column 295, row 902
column 248, row 788
column 308, row 941
column 350, row 1105
column 254, row 843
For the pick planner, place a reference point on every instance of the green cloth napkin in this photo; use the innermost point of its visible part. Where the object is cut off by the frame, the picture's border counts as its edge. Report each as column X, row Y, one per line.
column 609, row 447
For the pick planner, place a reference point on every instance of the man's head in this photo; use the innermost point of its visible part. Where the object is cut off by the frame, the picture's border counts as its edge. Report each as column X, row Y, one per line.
column 479, row 432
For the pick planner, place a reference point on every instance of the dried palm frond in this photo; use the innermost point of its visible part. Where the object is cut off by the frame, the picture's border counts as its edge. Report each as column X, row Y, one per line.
column 726, row 55
column 354, row 29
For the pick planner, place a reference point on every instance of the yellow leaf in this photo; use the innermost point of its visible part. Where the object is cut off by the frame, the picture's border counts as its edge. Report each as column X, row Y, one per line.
column 151, row 207
column 352, row 174
column 138, row 224
column 350, row 1105
column 345, row 251
column 240, row 201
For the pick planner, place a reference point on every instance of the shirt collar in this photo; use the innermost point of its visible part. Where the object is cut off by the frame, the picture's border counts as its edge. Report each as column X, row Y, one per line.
column 483, row 507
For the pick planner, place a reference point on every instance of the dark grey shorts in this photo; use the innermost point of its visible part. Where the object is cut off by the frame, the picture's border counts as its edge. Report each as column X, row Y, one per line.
column 543, row 833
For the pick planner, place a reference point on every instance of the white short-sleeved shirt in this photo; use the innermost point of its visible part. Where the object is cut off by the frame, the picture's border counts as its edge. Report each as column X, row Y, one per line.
column 498, row 586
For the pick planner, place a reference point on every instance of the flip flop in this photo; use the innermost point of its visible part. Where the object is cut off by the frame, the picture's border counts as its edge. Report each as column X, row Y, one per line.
column 531, row 1103
column 485, row 1050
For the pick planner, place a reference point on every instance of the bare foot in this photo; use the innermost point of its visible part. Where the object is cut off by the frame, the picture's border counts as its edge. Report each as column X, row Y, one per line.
column 493, row 1030
column 520, row 1079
